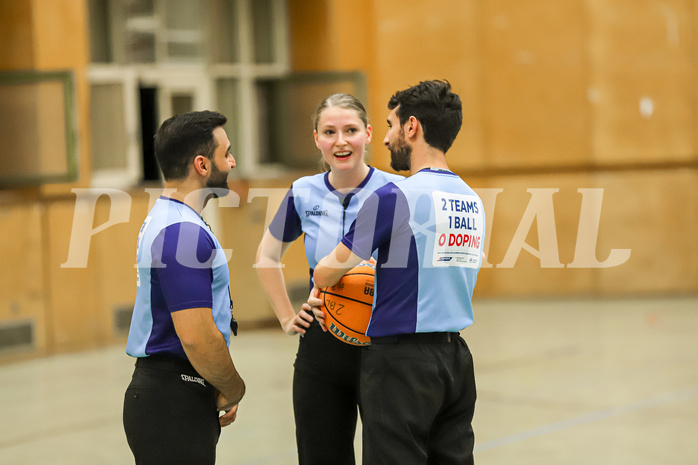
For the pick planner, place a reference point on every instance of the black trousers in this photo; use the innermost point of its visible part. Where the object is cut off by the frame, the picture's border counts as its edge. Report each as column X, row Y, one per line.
column 170, row 414
column 325, row 398
column 418, row 397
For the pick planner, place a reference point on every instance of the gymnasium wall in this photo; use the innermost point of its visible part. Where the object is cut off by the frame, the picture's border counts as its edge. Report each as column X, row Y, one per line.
column 578, row 133
column 43, row 308
column 564, row 102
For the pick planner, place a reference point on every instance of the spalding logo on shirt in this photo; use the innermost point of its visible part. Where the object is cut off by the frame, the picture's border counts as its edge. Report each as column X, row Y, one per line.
column 316, row 212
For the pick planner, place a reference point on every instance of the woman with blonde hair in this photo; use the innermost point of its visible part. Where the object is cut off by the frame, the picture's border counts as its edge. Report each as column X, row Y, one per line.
column 322, row 207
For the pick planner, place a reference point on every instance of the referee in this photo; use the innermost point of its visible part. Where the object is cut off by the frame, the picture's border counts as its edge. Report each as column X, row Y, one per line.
column 181, row 325
column 417, row 379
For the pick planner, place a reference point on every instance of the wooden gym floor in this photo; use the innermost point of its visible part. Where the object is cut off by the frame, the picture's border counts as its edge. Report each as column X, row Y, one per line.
column 586, row 381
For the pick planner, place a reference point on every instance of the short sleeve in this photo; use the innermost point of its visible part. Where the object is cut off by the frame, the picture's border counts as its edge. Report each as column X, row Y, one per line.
column 184, row 269
column 286, row 225
column 374, row 222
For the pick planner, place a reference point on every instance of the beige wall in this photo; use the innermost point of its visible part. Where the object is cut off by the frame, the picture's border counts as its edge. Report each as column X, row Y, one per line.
column 22, row 292
column 562, row 101
column 557, row 95
column 61, row 305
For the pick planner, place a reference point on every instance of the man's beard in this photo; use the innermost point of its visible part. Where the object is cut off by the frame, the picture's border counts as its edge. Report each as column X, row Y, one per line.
column 218, row 182
column 400, row 156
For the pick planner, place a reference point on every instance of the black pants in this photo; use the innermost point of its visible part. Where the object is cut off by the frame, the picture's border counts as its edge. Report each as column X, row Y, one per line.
column 418, row 399
column 170, row 414
column 325, row 398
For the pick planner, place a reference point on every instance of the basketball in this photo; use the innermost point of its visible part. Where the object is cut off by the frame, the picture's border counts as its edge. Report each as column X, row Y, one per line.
column 348, row 305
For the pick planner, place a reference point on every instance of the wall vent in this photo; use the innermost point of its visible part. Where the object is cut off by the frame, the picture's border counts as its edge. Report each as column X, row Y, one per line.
column 16, row 334
column 122, row 319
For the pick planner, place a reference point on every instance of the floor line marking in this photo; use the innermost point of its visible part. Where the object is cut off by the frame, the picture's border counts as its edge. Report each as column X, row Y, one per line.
column 589, row 418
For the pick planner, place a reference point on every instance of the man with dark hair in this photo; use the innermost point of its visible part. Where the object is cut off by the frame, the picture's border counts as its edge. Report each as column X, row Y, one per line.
column 182, row 318
column 417, row 379
column 438, row 110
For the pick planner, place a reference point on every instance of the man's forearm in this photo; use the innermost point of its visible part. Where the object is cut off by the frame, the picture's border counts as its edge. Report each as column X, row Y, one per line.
column 212, row 361
column 207, row 351
column 332, row 267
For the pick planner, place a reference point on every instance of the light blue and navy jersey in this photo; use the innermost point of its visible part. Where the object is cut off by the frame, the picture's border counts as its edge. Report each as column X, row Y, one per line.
column 181, row 265
column 429, row 231
column 312, row 206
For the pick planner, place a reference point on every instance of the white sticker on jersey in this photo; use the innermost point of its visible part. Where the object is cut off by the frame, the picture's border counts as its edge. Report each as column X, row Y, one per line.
column 458, row 237
column 144, row 226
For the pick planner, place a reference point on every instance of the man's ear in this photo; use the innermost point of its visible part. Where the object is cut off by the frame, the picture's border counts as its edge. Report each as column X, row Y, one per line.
column 201, row 165
column 412, row 127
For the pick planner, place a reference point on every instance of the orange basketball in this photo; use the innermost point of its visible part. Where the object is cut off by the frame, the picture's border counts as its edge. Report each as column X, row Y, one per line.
column 348, row 305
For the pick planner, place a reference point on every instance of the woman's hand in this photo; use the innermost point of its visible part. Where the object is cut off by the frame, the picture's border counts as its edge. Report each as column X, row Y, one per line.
column 300, row 321
column 314, row 304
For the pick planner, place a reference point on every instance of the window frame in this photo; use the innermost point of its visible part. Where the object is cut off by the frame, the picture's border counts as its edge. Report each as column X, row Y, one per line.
column 198, row 78
column 67, row 80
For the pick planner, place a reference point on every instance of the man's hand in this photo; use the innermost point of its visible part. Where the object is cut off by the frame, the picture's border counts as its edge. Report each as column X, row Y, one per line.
column 231, row 411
